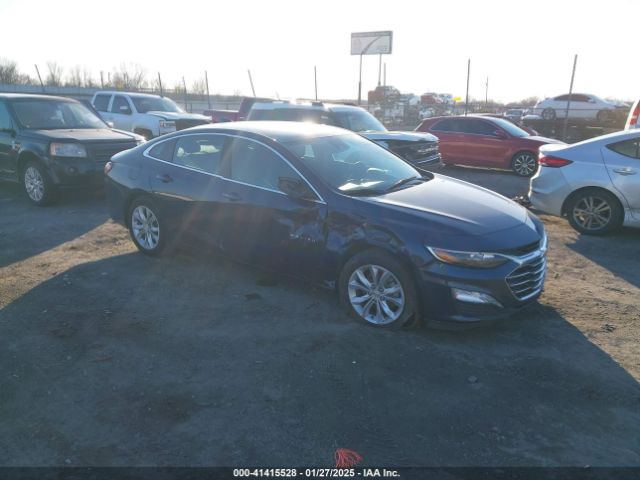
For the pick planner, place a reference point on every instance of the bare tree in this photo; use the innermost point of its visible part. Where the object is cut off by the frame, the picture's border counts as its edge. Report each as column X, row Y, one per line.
column 10, row 74
column 55, row 74
column 129, row 77
column 74, row 77
column 87, row 79
column 199, row 86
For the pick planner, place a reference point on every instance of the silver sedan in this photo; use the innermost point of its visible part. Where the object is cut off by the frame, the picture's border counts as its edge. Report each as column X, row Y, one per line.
column 595, row 183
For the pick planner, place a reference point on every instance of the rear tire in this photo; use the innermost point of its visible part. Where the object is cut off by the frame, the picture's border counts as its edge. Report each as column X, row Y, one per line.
column 524, row 164
column 594, row 212
column 549, row 114
column 146, row 226
column 378, row 290
column 37, row 184
column 603, row 117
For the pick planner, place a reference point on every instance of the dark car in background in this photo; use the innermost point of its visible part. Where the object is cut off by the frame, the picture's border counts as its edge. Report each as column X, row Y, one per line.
column 326, row 205
column 418, row 148
column 486, row 142
column 48, row 143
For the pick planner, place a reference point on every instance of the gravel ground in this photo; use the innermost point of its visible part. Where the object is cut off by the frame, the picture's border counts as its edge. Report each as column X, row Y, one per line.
column 110, row 358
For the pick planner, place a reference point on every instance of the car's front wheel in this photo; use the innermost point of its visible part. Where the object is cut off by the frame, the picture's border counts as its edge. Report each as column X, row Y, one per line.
column 603, row 116
column 594, row 212
column 38, row 185
column 145, row 226
column 378, row 290
column 524, row 164
column 549, row 114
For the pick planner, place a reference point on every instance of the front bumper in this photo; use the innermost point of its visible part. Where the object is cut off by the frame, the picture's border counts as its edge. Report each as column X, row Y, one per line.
column 509, row 289
column 67, row 172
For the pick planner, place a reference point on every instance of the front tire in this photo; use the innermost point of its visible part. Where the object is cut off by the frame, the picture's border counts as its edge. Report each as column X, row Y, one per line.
column 146, row 226
column 549, row 114
column 378, row 290
column 38, row 185
column 594, row 212
column 524, row 164
column 603, row 117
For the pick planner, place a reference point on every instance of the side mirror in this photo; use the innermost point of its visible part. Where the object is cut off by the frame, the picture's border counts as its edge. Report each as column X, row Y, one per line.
column 501, row 134
column 295, row 188
column 110, row 124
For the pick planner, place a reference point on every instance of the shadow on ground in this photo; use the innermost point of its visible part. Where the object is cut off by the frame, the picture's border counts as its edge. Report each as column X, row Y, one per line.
column 190, row 361
column 27, row 230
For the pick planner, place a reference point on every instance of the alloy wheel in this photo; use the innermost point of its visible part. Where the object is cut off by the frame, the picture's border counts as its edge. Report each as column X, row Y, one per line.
column 524, row 164
column 376, row 294
column 592, row 213
column 34, row 184
column 145, row 227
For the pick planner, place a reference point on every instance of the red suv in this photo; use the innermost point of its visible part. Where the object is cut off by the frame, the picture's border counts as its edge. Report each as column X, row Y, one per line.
column 485, row 142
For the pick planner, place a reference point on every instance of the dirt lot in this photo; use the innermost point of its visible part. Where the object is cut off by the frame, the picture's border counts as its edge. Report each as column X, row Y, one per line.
column 112, row 358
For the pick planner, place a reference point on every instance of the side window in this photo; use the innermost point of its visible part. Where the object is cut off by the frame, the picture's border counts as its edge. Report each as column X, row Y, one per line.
column 120, row 105
column 479, row 127
column 628, row 148
column 579, row 98
column 163, row 150
column 200, row 152
column 5, row 118
column 101, row 102
column 254, row 164
column 446, row 125
column 562, row 98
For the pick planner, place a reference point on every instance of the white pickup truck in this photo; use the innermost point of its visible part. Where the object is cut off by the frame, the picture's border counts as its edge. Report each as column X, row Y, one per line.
column 144, row 114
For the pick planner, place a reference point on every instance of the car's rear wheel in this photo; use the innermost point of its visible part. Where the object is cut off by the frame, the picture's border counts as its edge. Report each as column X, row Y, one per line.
column 146, row 227
column 378, row 290
column 594, row 212
column 524, row 164
column 38, row 185
column 549, row 114
column 603, row 116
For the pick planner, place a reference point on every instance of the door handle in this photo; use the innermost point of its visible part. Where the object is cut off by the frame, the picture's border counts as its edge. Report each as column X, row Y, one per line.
column 166, row 178
column 625, row 171
column 232, row 196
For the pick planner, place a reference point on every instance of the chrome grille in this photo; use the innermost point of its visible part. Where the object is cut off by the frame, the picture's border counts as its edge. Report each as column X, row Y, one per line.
column 527, row 280
column 103, row 153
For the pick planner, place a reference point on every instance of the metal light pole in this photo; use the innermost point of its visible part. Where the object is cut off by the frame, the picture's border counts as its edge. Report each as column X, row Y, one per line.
column 40, row 78
column 315, row 80
column 466, row 103
column 206, row 80
column 360, row 82
column 251, row 82
column 566, row 113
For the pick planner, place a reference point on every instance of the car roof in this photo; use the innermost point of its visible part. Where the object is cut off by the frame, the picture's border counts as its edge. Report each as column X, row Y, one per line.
column 282, row 132
column 34, row 96
column 330, row 107
column 131, row 94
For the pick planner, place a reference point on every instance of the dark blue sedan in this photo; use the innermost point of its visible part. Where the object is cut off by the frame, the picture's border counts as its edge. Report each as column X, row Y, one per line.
column 329, row 206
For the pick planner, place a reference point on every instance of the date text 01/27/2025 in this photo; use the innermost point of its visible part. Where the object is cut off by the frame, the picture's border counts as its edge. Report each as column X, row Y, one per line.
column 315, row 473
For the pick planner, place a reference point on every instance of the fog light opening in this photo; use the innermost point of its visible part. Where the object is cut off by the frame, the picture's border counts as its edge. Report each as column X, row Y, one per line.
column 469, row 296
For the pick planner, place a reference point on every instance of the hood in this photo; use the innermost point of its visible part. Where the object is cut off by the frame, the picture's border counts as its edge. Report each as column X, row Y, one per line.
column 85, row 135
column 455, row 207
column 400, row 136
column 180, row 116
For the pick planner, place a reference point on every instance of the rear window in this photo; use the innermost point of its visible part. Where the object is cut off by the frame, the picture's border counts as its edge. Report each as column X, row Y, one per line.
column 628, row 148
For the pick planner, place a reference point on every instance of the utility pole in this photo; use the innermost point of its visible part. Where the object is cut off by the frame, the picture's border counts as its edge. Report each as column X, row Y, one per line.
column 315, row 79
column 101, row 79
column 40, row 78
column 379, row 70
column 206, row 80
column 360, row 83
column 486, row 93
column 466, row 103
column 251, row 82
column 184, row 84
column 160, row 85
column 566, row 113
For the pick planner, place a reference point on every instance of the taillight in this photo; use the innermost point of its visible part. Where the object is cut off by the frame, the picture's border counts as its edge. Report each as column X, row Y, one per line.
column 554, row 162
column 108, row 167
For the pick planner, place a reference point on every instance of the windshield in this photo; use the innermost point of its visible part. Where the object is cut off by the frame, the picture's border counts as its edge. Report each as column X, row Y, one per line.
column 358, row 120
column 352, row 164
column 38, row 114
column 513, row 129
column 155, row 104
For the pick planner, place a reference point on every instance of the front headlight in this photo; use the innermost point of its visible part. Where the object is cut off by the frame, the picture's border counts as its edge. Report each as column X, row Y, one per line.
column 67, row 150
column 167, row 124
column 468, row 259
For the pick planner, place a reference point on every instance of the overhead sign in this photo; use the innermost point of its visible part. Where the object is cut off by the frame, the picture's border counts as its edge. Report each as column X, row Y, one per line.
column 371, row 43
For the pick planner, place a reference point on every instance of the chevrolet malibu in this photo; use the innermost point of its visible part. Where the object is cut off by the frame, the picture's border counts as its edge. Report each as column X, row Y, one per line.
column 326, row 205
